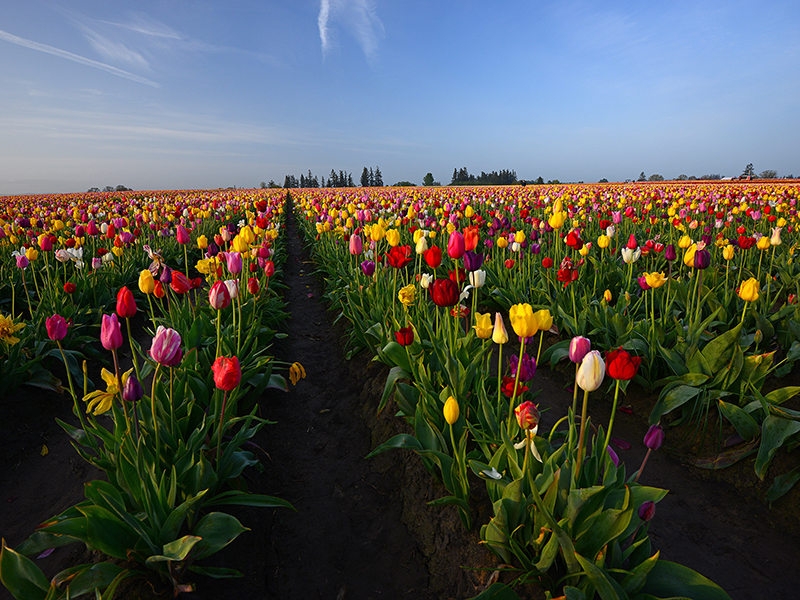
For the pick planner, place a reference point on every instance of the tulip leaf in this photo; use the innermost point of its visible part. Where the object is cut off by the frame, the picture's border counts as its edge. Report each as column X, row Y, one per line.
column 719, row 351
column 497, row 591
column 774, row 432
column 669, row 579
column 217, row 530
column 672, row 399
column 730, row 457
column 21, row 576
column 401, row 440
column 783, row 394
column 782, row 484
column 395, row 374
column 745, row 425
column 607, row 588
column 216, row 572
column 176, row 550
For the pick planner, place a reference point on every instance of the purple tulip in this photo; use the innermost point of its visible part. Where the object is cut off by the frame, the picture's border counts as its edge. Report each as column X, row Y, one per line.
column 647, row 510
column 654, row 437
column 669, row 252
column 132, row 390
column 472, row 260
column 528, row 367
column 368, row 268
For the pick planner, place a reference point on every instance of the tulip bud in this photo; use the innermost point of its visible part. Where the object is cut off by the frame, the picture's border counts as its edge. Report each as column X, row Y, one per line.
column 132, row 390
column 654, row 437
column 227, row 372
column 579, row 346
column 56, row 326
column 218, row 296
column 499, row 333
column 647, row 510
column 527, row 415
column 126, row 304
column 591, row 371
column 110, row 332
column 451, row 410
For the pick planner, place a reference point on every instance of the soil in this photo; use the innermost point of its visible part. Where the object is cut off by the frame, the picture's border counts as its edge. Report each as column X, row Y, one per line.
column 362, row 529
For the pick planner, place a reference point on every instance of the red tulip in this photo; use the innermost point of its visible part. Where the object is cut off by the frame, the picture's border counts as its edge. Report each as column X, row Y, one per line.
column 227, row 372
column 404, row 336
column 455, row 245
column 126, row 304
column 269, row 268
column 253, row 286
column 621, row 365
column 182, row 235
column 444, row 292
column 399, row 256
column 433, row 256
column 547, row 262
column 70, row 287
column 180, row 284
column 158, row 289
column 527, row 415
column 507, row 387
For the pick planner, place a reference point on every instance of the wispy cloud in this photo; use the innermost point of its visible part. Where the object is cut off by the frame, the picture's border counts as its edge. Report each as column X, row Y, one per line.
column 77, row 58
column 358, row 16
column 145, row 25
column 114, row 51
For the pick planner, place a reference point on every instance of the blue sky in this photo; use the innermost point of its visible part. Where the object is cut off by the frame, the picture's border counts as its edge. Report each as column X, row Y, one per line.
column 200, row 94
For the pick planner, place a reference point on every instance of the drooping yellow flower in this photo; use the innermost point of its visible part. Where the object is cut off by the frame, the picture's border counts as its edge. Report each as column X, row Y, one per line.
column 296, row 373
column 483, row 325
column 9, row 329
column 523, row 322
column 99, row 401
column 748, row 290
column 407, row 294
column 451, row 410
column 655, row 279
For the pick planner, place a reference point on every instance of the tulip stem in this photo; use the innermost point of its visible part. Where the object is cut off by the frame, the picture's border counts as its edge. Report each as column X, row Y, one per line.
column 221, row 421
column 119, row 387
column 644, row 462
column 153, row 407
column 613, row 414
column 584, row 410
column 133, row 349
column 744, row 312
column 499, row 375
column 516, row 385
column 219, row 326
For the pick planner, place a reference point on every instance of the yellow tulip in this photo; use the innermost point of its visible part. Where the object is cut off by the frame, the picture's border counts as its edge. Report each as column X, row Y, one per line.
column 763, row 243
column 31, row 254
column 684, row 242
column 607, row 296
column 654, row 279
column 499, row 333
column 748, row 290
column 418, row 235
column 240, row 245
column 393, row 237
column 519, row 236
column 146, row 282
column 688, row 257
column 483, row 325
column 376, row 232
column 469, row 212
column 407, row 294
column 202, row 242
column 544, row 320
column 556, row 220
column 603, row 241
column 727, row 252
column 522, row 320
column 451, row 410
column 502, row 242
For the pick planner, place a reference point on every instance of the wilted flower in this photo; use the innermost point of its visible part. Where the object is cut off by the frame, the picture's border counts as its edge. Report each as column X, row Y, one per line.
column 9, row 329
column 407, row 294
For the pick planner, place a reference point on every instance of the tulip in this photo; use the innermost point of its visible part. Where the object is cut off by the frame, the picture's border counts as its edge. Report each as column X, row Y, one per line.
column 233, row 260
column 233, row 287
column 483, row 325
column 556, row 220
column 444, row 292
column 655, row 280
column 632, row 243
column 356, row 245
column 180, row 283
column 407, row 294
column 227, row 372
column 499, row 334
column 527, row 415
column 110, row 332
column 523, row 322
column 56, row 326
column 603, row 241
column 472, row 261
column 630, row 256
column 404, row 336
column 775, row 238
column 654, row 437
column 421, row 244
column 591, row 371
column 69, row 287
column 253, row 286
column 647, row 510
column 126, row 304
column 166, row 347
column 763, row 243
column 368, row 268
column 376, row 232
column 526, row 366
column 727, row 252
column 182, row 235
column 425, row 281
column 399, row 256
column 621, row 365
column 451, row 411
column 146, row 282
column 433, row 257
column 748, row 290
column 477, row 278
column 218, row 296
column 393, row 237
column 455, row 245
column 669, row 252
column 132, row 390
column 202, row 242
column 579, row 346
column 702, row 257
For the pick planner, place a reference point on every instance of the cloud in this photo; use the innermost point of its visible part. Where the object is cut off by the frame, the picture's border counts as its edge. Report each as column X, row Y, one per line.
column 114, row 51
column 357, row 16
column 46, row 49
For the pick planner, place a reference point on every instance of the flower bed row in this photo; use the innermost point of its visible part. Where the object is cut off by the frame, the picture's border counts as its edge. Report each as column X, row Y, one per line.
column 687, row 290
column 183, row 288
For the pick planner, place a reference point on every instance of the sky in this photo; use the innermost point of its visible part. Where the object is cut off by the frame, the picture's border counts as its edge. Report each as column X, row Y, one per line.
column 177, row 94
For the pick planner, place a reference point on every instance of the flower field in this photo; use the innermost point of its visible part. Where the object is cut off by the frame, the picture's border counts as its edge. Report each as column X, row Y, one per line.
column 156, row 314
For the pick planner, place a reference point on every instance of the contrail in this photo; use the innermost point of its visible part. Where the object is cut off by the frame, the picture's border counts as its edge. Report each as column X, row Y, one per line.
column 25, row 43
column 322, row 23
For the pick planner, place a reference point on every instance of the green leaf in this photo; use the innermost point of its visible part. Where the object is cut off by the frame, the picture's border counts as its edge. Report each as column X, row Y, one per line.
column 672, row 399
column 396, row 355
column 401, row 440
column 783, row 394
column 719, row 352
column 86, row 579
column 237, row 498
column 745, row 425
column 497, row 591
column 21, row 576
column 730, row 457
column 606, row 587
column 782, row 484
column 774, row 432
column 107, row 533
column 176, row 550
column 217, row 529
column 216, row 572
column 668, row 579
column 395, row 374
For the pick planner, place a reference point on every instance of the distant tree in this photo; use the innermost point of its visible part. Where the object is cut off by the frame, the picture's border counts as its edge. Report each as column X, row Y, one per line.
column 603, row 180
column 642, row 177
column 768, row 174
column 711, row 177
column 405, row 184
column 371, row 177
column 749, row 171
column 108, row 188
column 290, row 181
column 93, row 189
column 378, row 177
column 682, row 177
column 427, row 181
column 539, row 180
column 656, row 177
column 364, row 177
column 262, row 185
column 272, row 184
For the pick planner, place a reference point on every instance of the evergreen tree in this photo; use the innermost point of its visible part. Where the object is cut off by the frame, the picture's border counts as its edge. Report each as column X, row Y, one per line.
column 378, row 177
column 371, row 177
column 364, row 178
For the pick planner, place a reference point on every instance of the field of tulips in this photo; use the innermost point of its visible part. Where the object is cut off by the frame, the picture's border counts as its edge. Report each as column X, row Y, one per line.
column 687, row 291
column 155, row 315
